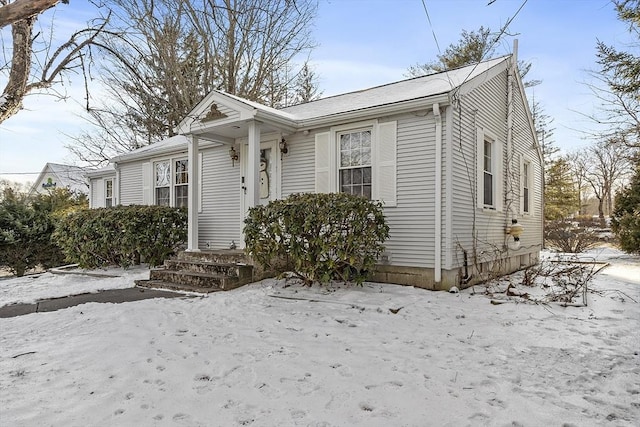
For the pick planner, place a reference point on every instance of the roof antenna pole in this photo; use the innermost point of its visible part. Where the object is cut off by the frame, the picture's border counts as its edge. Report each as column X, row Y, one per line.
column 515, row 51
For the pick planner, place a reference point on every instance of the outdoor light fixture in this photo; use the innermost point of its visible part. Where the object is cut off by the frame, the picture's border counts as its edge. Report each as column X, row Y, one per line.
column 283, row 147
column 515, row 231
column 234, row 155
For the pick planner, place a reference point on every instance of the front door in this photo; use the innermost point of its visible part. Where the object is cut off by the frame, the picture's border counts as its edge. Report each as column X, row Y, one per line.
column 269, row 174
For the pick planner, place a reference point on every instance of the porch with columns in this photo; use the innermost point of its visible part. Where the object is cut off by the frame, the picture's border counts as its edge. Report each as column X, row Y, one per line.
column 252, row 178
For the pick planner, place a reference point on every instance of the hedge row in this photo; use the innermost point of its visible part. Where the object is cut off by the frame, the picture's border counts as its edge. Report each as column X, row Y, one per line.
column 122, row 235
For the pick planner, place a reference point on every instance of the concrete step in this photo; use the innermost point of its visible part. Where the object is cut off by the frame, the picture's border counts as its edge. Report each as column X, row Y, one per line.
column 193, row 278
column 225, row 256
column 161, row 284
column 241, row 271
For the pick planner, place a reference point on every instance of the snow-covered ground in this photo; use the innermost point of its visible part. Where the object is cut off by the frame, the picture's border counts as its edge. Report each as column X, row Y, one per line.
column 29, row 289
column 378, row 355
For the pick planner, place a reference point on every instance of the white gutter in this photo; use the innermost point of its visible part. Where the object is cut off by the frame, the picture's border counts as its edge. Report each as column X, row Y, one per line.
column 438, row 201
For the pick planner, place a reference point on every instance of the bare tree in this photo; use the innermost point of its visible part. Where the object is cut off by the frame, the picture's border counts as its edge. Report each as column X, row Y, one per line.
column 36, row 65
column 12, row 12
column 169, row 54
column 608, row 164
column 579, row 163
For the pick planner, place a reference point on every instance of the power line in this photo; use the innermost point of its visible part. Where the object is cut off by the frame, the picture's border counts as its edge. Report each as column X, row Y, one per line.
column 500, row 34
column 435, row 38
column 433, row 32
column 20, row 173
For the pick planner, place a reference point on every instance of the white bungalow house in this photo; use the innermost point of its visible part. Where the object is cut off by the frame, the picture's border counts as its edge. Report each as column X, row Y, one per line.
column 55, row 175
column 453, row 156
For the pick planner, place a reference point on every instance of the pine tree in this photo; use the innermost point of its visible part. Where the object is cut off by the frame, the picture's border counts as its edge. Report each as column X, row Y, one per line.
column 560, row 194
column 625, row 220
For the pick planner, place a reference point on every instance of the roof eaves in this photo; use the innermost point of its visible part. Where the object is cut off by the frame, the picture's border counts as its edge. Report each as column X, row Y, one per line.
column 376, row 111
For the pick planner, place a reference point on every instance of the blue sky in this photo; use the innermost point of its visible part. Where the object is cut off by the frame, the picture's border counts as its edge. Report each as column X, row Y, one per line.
column 363, row 43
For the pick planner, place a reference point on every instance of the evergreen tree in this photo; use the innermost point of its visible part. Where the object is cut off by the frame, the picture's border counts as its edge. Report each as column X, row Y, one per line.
column 620, row 73
column 473, row 47
column 625, row 220
column 560, row 193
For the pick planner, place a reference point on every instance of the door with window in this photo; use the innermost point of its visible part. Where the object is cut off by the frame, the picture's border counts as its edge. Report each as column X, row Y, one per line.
column 269, row 173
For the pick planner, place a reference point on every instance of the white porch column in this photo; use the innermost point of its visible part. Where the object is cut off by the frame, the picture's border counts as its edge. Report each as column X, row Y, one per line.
column 253, row 166
column 192, row 237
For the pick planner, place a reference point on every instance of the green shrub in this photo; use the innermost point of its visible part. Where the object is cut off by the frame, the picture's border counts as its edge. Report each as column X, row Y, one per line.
column 320, row 236
column 122, row 235
column 26, row 226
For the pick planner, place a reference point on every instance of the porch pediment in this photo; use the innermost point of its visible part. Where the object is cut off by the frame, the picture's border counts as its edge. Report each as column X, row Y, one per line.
column 227, row 116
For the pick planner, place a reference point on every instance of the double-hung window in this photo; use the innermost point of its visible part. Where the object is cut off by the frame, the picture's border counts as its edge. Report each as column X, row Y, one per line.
column 355, row 162
column 487, row 171
column 526, row 166
column 358, row 158
column 490, row 171
column 108, row 193
column 181, row 183
column 162, row 179
column 171, row 183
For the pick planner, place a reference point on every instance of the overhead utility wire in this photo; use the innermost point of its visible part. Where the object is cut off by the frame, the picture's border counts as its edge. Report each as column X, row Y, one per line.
column 433, row 32
column 500, row 34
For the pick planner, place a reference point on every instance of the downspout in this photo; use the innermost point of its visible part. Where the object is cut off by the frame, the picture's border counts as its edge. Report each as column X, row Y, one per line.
column 438, row 202
column 509, row 177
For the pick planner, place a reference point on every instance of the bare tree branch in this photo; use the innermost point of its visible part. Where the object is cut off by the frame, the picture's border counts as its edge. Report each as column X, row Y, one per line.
column 19, row 10
column 66, row 58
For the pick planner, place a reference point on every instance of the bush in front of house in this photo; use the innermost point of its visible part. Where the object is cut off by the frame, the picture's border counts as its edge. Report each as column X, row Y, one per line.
column 26, row 226
column 122, row 235
column 565, row 237
column 321, row 237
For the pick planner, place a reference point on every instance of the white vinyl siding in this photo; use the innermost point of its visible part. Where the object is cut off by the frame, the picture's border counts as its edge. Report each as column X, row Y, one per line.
column 98, row 193
column 411, row 221
column 220, row 221
column 474, row 229
column 133, row 181
column 481, row 112
column 385, row 155
column 323, row 163
column 298, row 166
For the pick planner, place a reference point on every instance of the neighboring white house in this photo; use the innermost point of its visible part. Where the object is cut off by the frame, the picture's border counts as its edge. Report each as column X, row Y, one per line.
column 55, row 175
column 453, row 156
